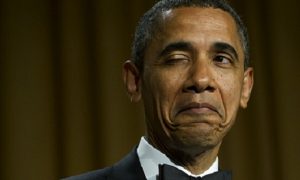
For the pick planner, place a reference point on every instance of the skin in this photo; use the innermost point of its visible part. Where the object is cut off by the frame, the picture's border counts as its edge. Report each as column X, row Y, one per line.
column 192, row 85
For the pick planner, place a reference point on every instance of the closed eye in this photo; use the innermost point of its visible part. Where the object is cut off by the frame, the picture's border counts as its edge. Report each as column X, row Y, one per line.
column 176, row 59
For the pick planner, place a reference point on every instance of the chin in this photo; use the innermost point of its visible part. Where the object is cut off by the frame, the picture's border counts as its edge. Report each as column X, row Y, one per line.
column 196, row 141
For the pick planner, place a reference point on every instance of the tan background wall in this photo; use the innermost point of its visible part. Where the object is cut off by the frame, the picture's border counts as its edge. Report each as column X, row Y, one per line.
column 63, row 108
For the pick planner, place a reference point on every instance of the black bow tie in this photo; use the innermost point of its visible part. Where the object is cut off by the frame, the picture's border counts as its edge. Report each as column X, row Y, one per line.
column 167, row 172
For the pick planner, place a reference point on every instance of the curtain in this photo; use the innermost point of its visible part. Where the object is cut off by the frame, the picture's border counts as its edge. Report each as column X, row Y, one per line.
column 64, row 109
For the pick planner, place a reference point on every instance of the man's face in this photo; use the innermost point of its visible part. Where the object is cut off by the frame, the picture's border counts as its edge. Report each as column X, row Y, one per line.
column 194, row 79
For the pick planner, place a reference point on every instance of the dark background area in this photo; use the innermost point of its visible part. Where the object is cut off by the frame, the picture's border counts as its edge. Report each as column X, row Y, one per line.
column 64, row 110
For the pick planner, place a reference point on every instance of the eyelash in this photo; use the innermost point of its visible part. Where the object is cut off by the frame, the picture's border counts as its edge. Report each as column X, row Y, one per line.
column 216, row 58
column 177, row 58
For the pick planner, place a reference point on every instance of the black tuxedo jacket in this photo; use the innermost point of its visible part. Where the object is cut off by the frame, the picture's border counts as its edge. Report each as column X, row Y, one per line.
column 129, row 168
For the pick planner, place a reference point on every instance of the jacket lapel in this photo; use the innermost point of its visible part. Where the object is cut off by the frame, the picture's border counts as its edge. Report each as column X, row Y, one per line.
column 128, row 168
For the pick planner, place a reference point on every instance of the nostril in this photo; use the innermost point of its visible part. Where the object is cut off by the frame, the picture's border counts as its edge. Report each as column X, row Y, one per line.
column 210, row 89
column 195, row 89
column 192, row 89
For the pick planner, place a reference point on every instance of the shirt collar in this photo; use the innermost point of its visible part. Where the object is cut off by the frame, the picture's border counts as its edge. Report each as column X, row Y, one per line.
column 150, row 158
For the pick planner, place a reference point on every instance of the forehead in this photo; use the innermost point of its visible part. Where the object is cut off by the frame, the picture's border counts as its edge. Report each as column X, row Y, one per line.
column 200, row 19
column 196, row 24
column 196, row 11
column 195, row 21
column 200, row 16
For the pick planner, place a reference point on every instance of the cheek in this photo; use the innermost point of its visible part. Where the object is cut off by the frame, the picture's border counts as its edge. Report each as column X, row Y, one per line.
column 165, row 86
column 230, row 90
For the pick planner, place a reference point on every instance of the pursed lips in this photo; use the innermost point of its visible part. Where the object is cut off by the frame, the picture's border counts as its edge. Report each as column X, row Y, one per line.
column 198, row 108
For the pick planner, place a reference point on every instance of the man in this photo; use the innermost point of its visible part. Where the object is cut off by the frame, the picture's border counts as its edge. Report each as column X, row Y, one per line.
column 190, row 68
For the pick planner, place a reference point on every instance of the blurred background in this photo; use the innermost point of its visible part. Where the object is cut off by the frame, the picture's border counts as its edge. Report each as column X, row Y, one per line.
column 64, row 110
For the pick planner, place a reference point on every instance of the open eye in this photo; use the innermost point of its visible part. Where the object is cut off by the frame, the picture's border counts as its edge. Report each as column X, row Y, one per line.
column 222, row 59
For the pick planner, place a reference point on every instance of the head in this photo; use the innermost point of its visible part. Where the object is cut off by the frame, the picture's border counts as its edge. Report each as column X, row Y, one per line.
column 190, row 67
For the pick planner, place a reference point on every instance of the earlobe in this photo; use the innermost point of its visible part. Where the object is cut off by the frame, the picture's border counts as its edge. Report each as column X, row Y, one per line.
column 131, row 78
column 247, row 87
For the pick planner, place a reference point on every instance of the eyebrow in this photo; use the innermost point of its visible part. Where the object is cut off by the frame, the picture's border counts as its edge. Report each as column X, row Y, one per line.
column 177, row 46
column 225, row 47
column 187, row 46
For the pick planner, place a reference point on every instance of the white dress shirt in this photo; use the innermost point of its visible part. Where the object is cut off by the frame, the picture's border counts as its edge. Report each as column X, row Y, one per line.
column 150, row 158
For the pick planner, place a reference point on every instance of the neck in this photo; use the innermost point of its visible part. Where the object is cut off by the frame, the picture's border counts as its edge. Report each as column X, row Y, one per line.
column 196, row 160
column 202, row 161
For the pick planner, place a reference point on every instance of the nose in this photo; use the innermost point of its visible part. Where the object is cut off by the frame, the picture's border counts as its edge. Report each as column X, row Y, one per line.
column 200, row 78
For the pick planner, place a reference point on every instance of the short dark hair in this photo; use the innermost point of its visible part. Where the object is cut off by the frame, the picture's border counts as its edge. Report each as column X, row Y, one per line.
column 146, row 28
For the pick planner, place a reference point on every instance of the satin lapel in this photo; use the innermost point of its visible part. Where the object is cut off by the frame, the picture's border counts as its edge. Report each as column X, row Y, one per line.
column 128, row 168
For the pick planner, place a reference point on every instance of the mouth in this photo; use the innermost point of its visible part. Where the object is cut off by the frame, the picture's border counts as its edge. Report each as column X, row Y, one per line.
column 198, row 109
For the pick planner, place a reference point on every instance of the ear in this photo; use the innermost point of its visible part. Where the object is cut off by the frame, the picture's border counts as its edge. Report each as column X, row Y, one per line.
column 247, row 87
column 132, row 80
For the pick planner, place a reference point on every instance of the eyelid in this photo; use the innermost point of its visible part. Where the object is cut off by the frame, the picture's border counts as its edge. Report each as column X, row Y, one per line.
column 177, row 56
column 225, row 55
column 174, row 58
column 228, row 55
column 223, row 47
column 225, row 62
